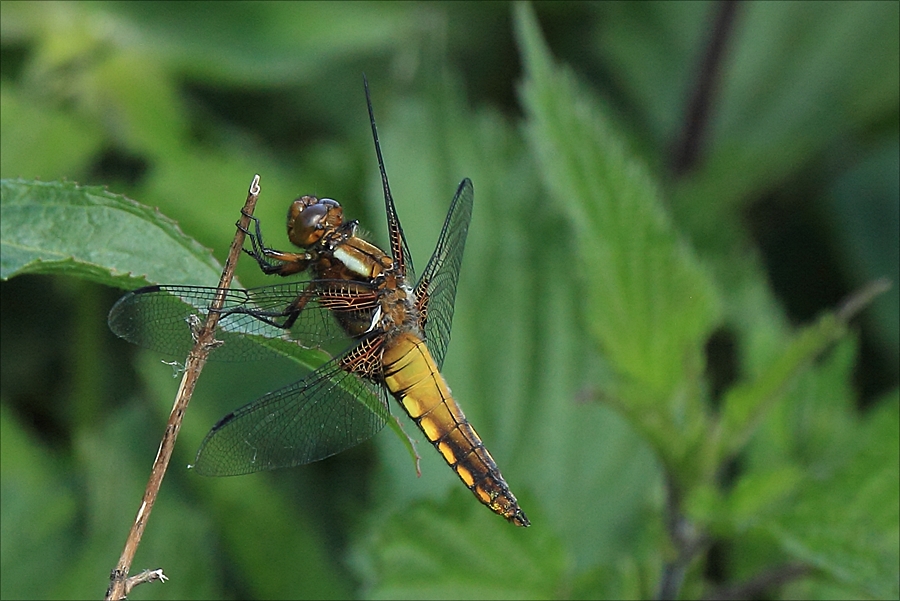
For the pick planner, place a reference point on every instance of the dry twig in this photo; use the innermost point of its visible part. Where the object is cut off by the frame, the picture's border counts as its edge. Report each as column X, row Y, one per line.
column 120, row 584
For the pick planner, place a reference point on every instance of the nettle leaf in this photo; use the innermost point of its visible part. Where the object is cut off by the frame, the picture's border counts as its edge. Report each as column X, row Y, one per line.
column 753, row 499
column 89, row 232
column 798, row 79
column 649, row 304
column 747, row 403
column 846, row 522
column 809, row 429
column 41, row 140
column 428, row 552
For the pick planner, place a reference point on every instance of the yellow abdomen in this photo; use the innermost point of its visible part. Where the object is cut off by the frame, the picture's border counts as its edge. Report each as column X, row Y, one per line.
column 415, row 381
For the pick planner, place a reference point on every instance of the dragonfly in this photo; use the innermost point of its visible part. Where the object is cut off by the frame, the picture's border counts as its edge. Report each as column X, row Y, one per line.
column 381, row 332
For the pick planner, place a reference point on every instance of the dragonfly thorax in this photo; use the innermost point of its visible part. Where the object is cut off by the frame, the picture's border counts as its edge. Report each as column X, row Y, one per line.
column 396, row 306
column 309, row 218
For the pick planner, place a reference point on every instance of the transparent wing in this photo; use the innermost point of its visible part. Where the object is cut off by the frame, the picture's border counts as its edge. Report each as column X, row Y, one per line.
column 436, row 290
column 323, row 414
column 160, row 317
column 399, row 249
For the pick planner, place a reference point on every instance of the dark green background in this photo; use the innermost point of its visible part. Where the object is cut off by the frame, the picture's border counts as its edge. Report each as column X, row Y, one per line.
column 177, row 105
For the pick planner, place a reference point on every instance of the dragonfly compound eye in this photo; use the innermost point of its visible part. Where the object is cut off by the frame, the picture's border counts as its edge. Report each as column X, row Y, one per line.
column 310, row 217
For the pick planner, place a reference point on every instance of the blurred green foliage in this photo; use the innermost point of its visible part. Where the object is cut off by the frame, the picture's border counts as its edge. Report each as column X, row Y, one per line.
column 657, row 358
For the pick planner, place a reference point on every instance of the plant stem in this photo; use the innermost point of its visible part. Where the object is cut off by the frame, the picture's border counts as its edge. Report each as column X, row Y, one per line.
column 120, row 584
column 686, row 152
column 689, row 542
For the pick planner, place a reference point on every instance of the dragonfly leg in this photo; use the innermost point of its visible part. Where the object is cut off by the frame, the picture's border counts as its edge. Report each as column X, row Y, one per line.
column 268, row 317
column 292, row 311
column 270, row 260
column 248, row 216
column 283, row 319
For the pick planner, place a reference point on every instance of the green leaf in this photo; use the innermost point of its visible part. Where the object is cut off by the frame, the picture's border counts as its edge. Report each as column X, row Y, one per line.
column 426, row 552
column 649, row 304
column 809, row 431
column 249, row 522
column 747, row 403
column 86, row 231
column 651, row 50
column 799, row 76
column 215, row 46
column 814, row 422
column 759, row 494
column 42, row 140
column 847, row 522
column 143, row 97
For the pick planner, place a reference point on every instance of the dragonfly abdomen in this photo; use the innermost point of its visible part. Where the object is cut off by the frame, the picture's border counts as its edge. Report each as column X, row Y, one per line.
column 415, row 381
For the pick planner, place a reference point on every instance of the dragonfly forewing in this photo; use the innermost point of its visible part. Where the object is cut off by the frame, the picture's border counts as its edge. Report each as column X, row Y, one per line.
column 164, row 317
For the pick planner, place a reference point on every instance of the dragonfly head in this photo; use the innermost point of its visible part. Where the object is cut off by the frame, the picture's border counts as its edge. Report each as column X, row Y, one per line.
column 309, row 218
